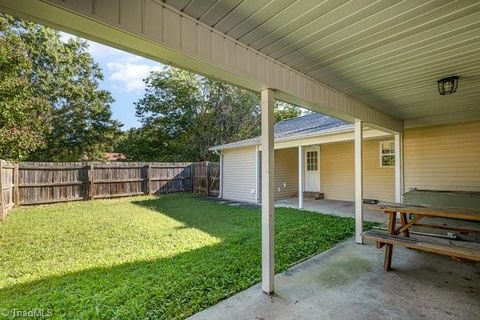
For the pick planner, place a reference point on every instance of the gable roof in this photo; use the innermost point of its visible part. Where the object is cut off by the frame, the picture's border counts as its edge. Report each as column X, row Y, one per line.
column 310, row 124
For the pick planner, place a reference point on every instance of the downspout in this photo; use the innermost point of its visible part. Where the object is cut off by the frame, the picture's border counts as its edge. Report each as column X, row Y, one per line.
column 220, row 185
column 221, row 176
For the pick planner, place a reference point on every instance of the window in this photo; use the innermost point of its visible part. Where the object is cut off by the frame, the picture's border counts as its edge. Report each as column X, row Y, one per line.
column 387, row 154
column 312, row 160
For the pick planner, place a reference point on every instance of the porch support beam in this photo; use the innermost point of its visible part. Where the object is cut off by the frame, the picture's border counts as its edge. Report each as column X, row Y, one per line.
column 300, row 176
column 257, row 174
column 358, row 181
column 398, row 167
column 267, row 191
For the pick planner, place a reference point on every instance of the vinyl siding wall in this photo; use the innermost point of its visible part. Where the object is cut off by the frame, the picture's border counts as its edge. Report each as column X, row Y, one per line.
column 239, row 174
column 286, row 173
column 443, row 157
column 337, row 172
column 379, row 182
column 435, row 158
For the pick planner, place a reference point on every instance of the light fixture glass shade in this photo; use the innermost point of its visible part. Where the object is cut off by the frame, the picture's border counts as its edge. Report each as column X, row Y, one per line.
column 447, row 85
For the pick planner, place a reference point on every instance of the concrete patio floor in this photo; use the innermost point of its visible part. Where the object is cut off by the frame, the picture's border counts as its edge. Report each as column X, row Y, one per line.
column 335, row 207
column 348, row 282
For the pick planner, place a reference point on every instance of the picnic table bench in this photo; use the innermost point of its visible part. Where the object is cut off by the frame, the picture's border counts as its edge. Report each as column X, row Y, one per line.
column 401, row 236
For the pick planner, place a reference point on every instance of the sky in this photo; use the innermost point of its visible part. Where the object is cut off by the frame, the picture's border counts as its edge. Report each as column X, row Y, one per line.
column 123, row 77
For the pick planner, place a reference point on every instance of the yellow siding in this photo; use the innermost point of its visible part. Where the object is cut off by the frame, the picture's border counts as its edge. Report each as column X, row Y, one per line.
column 379, row 182
column 337, row 172
column 239, row 181
column 286, row 172
column 443, row 157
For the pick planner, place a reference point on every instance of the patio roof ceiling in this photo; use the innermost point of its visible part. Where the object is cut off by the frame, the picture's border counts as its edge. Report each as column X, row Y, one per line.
column 377, row 61
column 388, row 54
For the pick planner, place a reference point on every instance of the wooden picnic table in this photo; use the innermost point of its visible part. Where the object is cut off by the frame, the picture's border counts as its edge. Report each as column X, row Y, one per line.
column 401, row 235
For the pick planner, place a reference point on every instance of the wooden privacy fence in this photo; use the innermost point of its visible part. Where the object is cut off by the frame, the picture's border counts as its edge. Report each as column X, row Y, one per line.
column 30, row 183
column 7, row 177
column 43, row 182
column 206, row 178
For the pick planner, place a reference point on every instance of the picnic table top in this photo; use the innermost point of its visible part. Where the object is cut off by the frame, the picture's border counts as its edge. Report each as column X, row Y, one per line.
column 455, row 213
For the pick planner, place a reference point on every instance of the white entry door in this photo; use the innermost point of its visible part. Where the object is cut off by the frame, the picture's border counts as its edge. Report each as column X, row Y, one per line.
column 312, row 169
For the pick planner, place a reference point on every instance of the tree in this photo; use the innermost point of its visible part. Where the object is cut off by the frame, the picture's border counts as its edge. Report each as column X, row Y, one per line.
column 21, row 114
column 230, row 114
column 142, row 144
column 284, row 111
column 184, row 114
column 77, row 123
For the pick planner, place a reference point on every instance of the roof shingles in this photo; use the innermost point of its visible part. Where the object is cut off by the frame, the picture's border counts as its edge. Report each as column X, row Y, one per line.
column 308, row 124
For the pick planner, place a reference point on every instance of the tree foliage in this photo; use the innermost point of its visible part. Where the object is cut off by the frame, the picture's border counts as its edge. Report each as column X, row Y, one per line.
column 21, row 113
column 284, row 111
column 184, row 114
column 52, row 108
column 68, row 116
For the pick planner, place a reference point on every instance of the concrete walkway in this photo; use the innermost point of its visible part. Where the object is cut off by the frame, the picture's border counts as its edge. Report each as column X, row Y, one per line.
column 348, row 282
column 335, row 207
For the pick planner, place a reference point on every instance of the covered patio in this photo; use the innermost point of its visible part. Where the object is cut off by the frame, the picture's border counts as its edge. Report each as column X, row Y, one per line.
column 372, row 63
column 346, row 282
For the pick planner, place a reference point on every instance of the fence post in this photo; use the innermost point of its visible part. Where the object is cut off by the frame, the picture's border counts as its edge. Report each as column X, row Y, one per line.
column 2, row 200
column 182, row 180
column 149, row 179
column 206, row 178
column 91, row 182
column 16, row 186
column 191, row 178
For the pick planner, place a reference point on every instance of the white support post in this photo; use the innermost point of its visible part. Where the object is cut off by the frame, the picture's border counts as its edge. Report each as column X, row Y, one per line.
column 398, row 167
column 257, row 174
column 358, row 181
column 267, row 192
column 300, row 176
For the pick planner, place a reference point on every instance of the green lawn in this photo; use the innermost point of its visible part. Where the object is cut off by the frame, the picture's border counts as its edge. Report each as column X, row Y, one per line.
column 145, row 257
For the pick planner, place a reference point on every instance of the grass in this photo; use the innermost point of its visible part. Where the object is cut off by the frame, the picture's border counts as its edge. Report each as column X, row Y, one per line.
column 145, row 257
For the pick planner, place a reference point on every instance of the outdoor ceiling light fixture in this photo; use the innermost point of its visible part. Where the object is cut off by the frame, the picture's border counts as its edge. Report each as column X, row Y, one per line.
column 447, row 85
